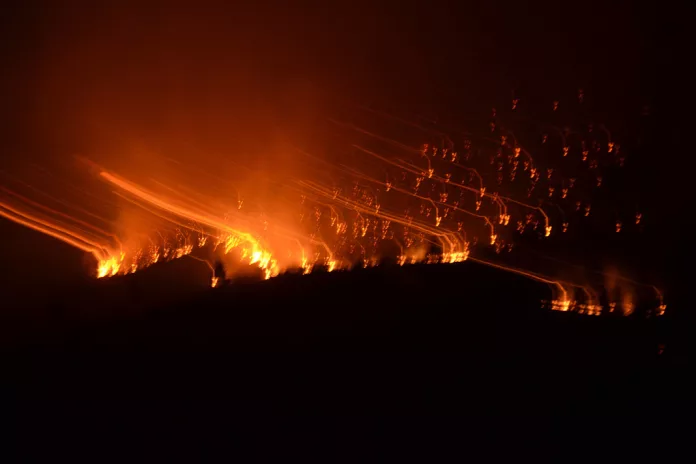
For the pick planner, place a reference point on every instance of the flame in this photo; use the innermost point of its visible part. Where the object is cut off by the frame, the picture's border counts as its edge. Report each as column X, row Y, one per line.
column 348, row 209
column 563, row 305
column 627, row 303
column 110, row 266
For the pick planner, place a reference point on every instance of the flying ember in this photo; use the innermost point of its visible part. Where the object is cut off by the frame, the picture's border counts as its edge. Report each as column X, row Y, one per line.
column 380, row 185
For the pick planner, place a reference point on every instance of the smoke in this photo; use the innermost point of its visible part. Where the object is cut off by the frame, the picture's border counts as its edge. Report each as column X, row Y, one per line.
column 201, row 107
column 216, row 111
column 111, row 80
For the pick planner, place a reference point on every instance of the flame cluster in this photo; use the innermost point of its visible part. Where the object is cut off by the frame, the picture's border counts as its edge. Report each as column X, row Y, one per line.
column 420, row 193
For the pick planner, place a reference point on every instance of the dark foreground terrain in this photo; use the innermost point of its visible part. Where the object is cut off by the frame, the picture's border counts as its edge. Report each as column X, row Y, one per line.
column 460, row 352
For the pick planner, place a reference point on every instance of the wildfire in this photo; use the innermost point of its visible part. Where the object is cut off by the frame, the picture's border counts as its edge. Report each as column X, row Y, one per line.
column 428, row 202
column 110, row 266
column 563, row 305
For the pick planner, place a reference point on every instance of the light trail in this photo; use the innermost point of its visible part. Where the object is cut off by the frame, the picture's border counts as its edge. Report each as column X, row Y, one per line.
column 345, row 203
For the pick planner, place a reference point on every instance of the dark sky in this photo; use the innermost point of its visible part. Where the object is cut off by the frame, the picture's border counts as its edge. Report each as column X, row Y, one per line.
column 448, row 45
column 79, row 76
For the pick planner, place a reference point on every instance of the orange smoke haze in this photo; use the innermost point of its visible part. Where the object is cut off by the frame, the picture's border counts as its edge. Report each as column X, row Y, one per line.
column 165, row 134
column 185, row 104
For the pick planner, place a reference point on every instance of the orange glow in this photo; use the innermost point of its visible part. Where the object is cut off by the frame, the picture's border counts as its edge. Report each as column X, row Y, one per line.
column 418, row 201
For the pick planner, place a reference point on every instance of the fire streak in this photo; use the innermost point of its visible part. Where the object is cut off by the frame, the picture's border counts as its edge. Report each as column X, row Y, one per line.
column 431, row 202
